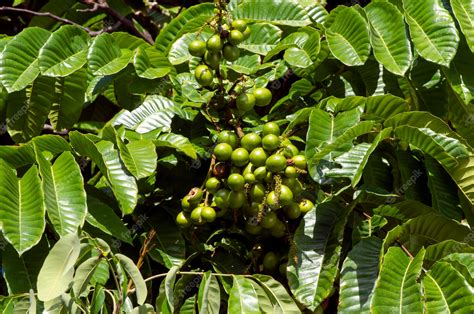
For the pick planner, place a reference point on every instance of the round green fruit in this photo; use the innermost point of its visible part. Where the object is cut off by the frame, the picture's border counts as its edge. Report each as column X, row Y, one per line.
column 235, row 182
column 221, row 198
column 271, row 128
column 196, row 214
column 250, row 178
column 290, row 151
column 194, row 196
column 260, row 173
column 237, row 199
column 230, row 52
column 208, row 214
column 185, row 205
column 299, row 161
column 203, row 75
column 214, row 43
column 253, row 229
column 291, row 172
column 286, row 195
column 258, row 156
column 248, row 169
column 269, row 220
column 223, row 151
column 212, row 59
column 292, row 211
column 228, row 137
column 240, row 157
column 239, row 25
column 275, row 163
column 270, row 261
column 278, row 230
column 263, row 97
column 306, row 205
column 183, row 220
column 212, row 185
column 236, row 37
column 197, row 48
column 257, row 192
column 251, row 141
column 272, row 201
column 245, row 102
column 252, row 209
column 270, row 142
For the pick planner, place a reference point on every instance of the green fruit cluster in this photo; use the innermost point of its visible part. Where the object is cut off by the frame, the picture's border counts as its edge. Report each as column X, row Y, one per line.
column 257, row 176
column 220, row 45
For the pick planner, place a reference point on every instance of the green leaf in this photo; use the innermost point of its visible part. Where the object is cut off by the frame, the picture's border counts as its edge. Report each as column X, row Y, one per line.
column 442, row 249
column 281, row 301
column 464, row 13
column 177, row 141
column 209, row 297
column 190, row 20
column 273, row 11
column 134, row 273
column 389, row 41
column 149, row 64
column 69, row 100
column 63, row 186
column 19, row 59
column 353, row 162
column 385, row 106
column 243, row 297
column 446, row 150
column 21, row 207
column 263, row 38
column 314, row 256
column 156, row 112
column 105, row 56
column 264, row 303
column 83, row 275
column 124, row 185
column 348, row 37
column 297, row 57
column 358, row 275
column 139, row 157
column 58, row 268
column 446, row 291
column 432, row 30
column 65, row 51
column 463, row 175
column 28, row 109
column 84, row 146
column 397, row 289
column 169, row 285
column 179, row 52
column 247, row 64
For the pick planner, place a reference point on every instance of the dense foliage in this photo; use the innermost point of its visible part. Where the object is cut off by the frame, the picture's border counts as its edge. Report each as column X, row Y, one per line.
column 255, row 156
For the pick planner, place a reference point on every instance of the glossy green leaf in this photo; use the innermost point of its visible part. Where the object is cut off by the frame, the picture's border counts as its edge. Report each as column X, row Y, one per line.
column 432, row 30
column 150, row 64
column 177, row 141
column 463, row 175
column 134, row 273
column 243, row 297
column 385, row 106
column 397, row 289
column 314, row 256
column 280, row 300
column 65, row 51
column 348, row 37
column 21, row 207
column 447, row 291
column 209, row 297
column 389, row 41
column 19, row 59
column 58, row 268
column 105, row 56
column 139, row 157
column 358, row 275
column 169, row 285
column 263, row 38
column 83, row 275
column 464, row 13
column 297, row 57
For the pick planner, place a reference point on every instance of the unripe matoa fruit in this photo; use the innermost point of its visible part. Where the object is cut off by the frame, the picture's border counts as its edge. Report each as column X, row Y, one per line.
column 197, row 48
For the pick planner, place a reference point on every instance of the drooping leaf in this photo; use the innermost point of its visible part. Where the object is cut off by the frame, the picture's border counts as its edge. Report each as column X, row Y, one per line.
column 243, row 297
column 105, row 56
column 19, row 59
column 432, row 30
column 83, row 275
column 464, row 13
column 169, row 285
column 139, row 157
column 134, row 273
column 63, row 186
column 314, row 257
column 209, row 297
column 280, row 300
column 65, row 51
column 391, row 48
column 177, row 141
column 397, row 288
column 348, row 37
column 358, row 275
column 58, row 268
column 21, row 207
